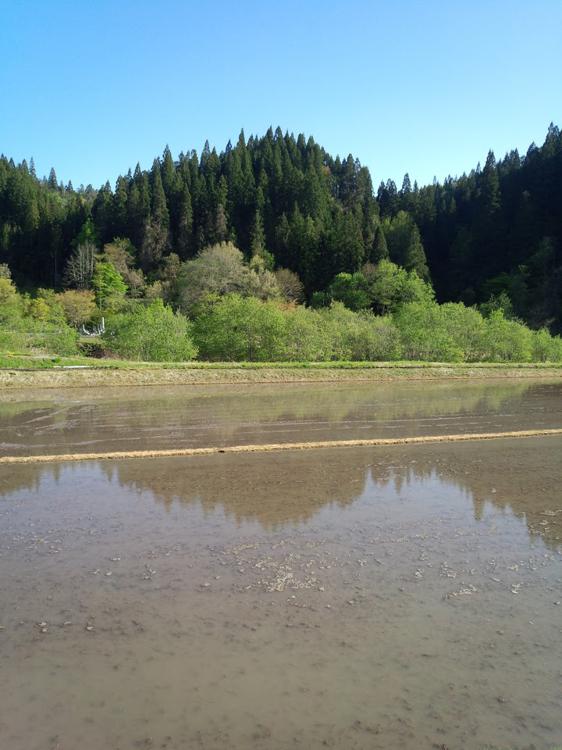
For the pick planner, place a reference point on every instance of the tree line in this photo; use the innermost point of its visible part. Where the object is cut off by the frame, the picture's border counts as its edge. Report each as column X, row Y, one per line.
column 493, row 236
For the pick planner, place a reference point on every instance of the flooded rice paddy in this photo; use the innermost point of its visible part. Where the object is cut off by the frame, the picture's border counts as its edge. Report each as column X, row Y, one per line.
column 143, row 418
column 404, row 597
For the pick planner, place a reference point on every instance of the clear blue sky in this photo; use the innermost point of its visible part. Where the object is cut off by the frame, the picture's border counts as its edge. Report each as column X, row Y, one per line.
column 427, row 86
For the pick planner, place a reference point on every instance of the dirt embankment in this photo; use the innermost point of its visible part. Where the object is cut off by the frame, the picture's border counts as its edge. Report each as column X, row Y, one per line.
column 98, row 377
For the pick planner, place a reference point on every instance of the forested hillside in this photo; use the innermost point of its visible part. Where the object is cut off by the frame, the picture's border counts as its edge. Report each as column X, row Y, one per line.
column 495, row 233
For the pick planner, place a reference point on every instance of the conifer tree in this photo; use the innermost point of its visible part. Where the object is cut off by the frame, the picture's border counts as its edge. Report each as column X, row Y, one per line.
column 159, row 208
column 52, row 181
column 379, row 249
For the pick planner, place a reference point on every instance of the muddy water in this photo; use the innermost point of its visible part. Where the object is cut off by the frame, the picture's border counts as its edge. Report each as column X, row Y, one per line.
column 356, row 598
column 80, row 420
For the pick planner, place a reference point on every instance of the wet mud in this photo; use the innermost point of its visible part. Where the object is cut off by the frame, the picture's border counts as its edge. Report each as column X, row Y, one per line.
column 405, row 597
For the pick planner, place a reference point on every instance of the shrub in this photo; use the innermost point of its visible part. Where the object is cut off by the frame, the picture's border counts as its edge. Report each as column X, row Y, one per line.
column 240, row 328
column 306, row 337
column 467, row 328
column 12, row 340
column 391, row 286
column 360, row 336
column 507, row 340
column 54, row 338
column 546, row 348
column 11, row 306
column 78, row 306
column 352, row 290
column 150, row 333
column 425, row 334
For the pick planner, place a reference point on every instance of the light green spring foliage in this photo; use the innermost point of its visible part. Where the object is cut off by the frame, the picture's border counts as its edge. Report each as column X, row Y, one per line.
column 306, row 336
column 220, row 269
column 109, row 287
column 38, row 325
column 546, row 348
column 243, row 328
column 240, row 328
column 383, row 287
column 79, row 306
column 360, row 336
column 455, row 333
column 392, row 286
column 11, row 304
column 425, row 334
column 152, row 333
column 236, row 328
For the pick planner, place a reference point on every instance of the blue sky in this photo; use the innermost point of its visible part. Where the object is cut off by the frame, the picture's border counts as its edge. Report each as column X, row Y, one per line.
column 425, row 87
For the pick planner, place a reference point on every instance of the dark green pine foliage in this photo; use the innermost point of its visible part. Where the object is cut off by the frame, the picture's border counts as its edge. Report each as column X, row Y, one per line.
column 495, row 231
column 257, row 243
column 379, row 248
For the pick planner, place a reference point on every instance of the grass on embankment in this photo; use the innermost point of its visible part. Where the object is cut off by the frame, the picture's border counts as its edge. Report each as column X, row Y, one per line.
column 59, row 372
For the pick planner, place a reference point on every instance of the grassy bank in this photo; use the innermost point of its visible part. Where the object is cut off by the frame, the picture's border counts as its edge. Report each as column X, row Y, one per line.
column 60, row 372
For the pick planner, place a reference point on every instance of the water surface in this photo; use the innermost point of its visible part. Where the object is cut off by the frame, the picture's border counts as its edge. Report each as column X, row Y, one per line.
column 355, row 598
column 137, row 418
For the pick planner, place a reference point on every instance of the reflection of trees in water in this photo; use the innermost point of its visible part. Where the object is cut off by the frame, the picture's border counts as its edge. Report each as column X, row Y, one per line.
column 86, row 416
column 292, row 487
column 517, row 476
column 272, row 489
column 27, row 477
column 280, row 488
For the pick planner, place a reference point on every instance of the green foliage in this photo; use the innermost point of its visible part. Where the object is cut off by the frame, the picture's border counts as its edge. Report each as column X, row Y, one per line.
column 501, row 302
column 11, row 305
column 150, row 333
column 87, row 234
column 507, row 340
column 121, row 253
column 352, row 289
column 306, row 336
column 45, row 307
column 237, row 328
column 391, row 286
column 220, row 269
column 405, row 245
column 467, row 328
column 425, row 334
column 78, row 306
column 455, row 333
column 109, row 287
column 360, row 336
column 54, row 338
column 546, row 348
column 240, row 328
column 290, row 204
column 379, row 250
column 33, row 325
